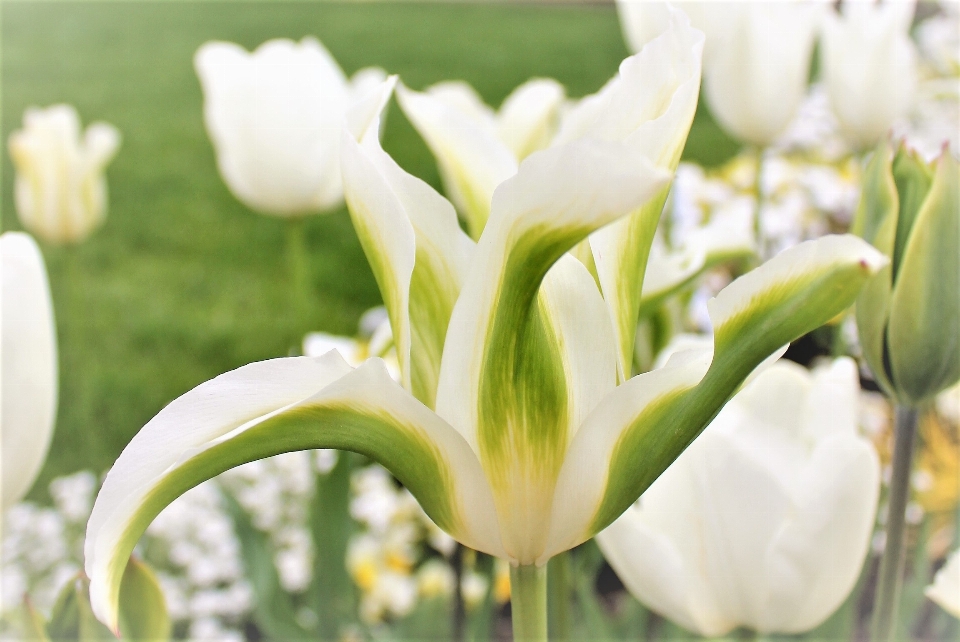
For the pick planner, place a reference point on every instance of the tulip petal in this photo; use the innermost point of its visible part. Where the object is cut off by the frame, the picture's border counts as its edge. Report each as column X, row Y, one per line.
column 826, row 538
column 655, row 416
column 412, row 240
column 651, row 105
column 502, row 382
column 28, row 349
column 471, row 159
column 278, row 406
column 529, row 116
column 725, row 238
column 925, row 319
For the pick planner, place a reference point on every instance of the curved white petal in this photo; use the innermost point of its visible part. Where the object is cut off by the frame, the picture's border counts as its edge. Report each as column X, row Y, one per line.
column 815, row 559
column 28, row 350
column 472, row 160
column 529, row 116
column 271, row 407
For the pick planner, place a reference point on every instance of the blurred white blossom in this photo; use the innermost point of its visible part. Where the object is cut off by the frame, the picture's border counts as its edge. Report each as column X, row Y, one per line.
column 274, row 117
column 945, row 589
column 60, row 191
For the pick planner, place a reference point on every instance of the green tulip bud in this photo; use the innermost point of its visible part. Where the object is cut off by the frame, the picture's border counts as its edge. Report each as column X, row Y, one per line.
column 908, row 315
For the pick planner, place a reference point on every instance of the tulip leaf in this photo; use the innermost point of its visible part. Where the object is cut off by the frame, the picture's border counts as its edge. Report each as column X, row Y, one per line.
column 143, row 609
column 33, row 624
column 71, row 617
column 273, row 611
column 924, row 326
column 332, row 592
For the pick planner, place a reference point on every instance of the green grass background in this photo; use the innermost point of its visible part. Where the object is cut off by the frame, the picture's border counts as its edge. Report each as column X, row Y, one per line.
column 183, row 282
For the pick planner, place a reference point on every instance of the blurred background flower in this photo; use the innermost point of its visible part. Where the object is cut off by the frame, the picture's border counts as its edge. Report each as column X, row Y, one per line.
column 60, row 191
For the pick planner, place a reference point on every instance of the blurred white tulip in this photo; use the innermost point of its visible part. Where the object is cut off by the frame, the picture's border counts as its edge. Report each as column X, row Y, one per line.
column 870, row 66
column 60, row 191
column 274, row 117
column 28, row 358
column 764, row 521
column 945, row 589
column 756, row 59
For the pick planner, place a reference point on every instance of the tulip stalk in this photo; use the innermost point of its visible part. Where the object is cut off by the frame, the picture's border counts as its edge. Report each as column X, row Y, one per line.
column 528, row 602
column 558, row 586
column 297, row 265
column 887, row 599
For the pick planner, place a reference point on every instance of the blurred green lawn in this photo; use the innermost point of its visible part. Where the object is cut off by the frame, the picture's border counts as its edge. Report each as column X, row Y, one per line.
column 183, row 282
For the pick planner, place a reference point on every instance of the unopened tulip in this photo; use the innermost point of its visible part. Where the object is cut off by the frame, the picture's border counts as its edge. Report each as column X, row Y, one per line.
column 908, row 315
column 763, row 522
column 274, row 117
column 28, row 358
column 60, row 191
column 945, row 589
column 869, row 64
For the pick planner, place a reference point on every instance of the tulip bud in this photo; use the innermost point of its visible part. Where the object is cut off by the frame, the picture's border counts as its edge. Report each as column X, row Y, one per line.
column 60, row 191
column 908, row 315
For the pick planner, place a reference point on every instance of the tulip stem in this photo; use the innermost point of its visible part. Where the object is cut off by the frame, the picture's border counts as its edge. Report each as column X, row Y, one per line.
column 558, row 587
column 528, row 602
column 297, row 266
column 887, row 597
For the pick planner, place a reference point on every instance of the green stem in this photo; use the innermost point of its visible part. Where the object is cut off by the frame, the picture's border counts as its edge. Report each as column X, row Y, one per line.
column 528, row 603
column 758, row 200
column 887, row 598
column 459, row 608
column 297, row 266
column 558, row 586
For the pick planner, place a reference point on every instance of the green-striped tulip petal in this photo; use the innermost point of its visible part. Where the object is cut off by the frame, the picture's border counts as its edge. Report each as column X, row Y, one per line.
column 643, row 425
column 650, row 106
column 277, row 406
column 410, row 235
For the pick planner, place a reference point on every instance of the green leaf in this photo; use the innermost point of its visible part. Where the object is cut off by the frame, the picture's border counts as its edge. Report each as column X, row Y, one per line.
column 274, row 611
column 72, row 618
column 332, row 593
column 33, row 624
column 143, row 609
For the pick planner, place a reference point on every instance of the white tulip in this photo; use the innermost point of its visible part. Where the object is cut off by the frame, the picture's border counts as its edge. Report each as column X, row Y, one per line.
column 28, row 358
column 756, row 58
column 60, row 191
column 945, row 589
column 870, row 66
column 765, row 520
column 274, row 117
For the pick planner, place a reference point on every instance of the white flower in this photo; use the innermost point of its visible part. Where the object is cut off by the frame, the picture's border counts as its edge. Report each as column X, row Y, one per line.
column 28, row 358
column 945, row 589
column 764, row 521
column 756, row 58
column 60, row 191
column 870, row 66
column 274, row 117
